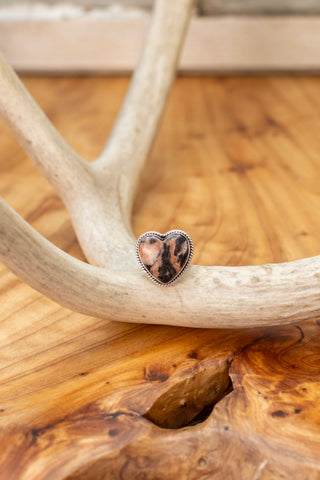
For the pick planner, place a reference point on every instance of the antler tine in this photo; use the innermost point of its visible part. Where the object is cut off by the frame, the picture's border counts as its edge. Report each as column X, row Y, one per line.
column 104, row 226
column 45, row 146
column 136, row 127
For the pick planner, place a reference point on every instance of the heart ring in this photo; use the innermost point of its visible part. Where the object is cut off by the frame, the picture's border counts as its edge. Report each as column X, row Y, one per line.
column 164, row 257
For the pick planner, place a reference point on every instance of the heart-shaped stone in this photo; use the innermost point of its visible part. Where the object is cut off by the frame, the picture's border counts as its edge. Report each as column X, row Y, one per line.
column 164, row 257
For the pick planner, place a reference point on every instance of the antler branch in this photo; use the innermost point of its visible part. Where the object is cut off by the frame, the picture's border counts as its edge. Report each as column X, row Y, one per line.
column 225, row 297
column 99, row 196
column 47, row 149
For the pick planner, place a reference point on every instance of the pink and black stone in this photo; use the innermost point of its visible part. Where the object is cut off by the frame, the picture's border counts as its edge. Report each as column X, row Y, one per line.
column 164, row 257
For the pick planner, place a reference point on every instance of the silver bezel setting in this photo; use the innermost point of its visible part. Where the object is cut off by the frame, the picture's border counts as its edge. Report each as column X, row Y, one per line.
column 162, row 237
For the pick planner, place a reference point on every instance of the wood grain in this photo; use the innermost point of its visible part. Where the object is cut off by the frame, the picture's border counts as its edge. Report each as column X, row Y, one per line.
column 236, row 165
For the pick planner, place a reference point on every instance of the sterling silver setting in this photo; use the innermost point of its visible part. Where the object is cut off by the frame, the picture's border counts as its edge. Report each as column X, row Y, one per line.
column 162, row 238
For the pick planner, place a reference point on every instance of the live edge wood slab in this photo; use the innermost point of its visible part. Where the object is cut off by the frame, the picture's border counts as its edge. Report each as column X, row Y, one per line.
column 237, row 166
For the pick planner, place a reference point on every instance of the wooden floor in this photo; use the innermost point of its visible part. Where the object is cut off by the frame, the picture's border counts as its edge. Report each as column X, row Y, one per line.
column 237, row 165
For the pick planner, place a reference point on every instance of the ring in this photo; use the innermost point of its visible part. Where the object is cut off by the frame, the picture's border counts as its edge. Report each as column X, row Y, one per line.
column 164, row 257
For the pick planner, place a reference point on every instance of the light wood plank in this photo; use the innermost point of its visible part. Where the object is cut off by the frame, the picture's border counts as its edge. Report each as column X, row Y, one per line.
column 112, row 44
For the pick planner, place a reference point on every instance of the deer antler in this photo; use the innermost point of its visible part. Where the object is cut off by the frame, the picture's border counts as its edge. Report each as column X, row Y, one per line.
column 99, row 196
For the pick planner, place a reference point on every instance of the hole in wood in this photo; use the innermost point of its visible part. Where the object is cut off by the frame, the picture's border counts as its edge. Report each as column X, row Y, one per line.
column 191, row 401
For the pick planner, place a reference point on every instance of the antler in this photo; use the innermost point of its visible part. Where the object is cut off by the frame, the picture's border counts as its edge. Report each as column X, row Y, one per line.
column 99, row 196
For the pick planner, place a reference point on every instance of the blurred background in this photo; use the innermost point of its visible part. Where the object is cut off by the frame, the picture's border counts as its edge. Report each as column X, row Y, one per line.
column 105, row 36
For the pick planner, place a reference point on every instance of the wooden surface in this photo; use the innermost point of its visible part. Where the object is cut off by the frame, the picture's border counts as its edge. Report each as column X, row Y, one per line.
column 258, row 7
column 236, row 164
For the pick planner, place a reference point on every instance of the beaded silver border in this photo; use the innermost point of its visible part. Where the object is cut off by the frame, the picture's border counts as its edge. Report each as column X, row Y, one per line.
column 162, row 236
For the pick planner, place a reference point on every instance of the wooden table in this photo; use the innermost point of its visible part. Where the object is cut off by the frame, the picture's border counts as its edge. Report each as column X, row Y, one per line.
column 237, row 165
